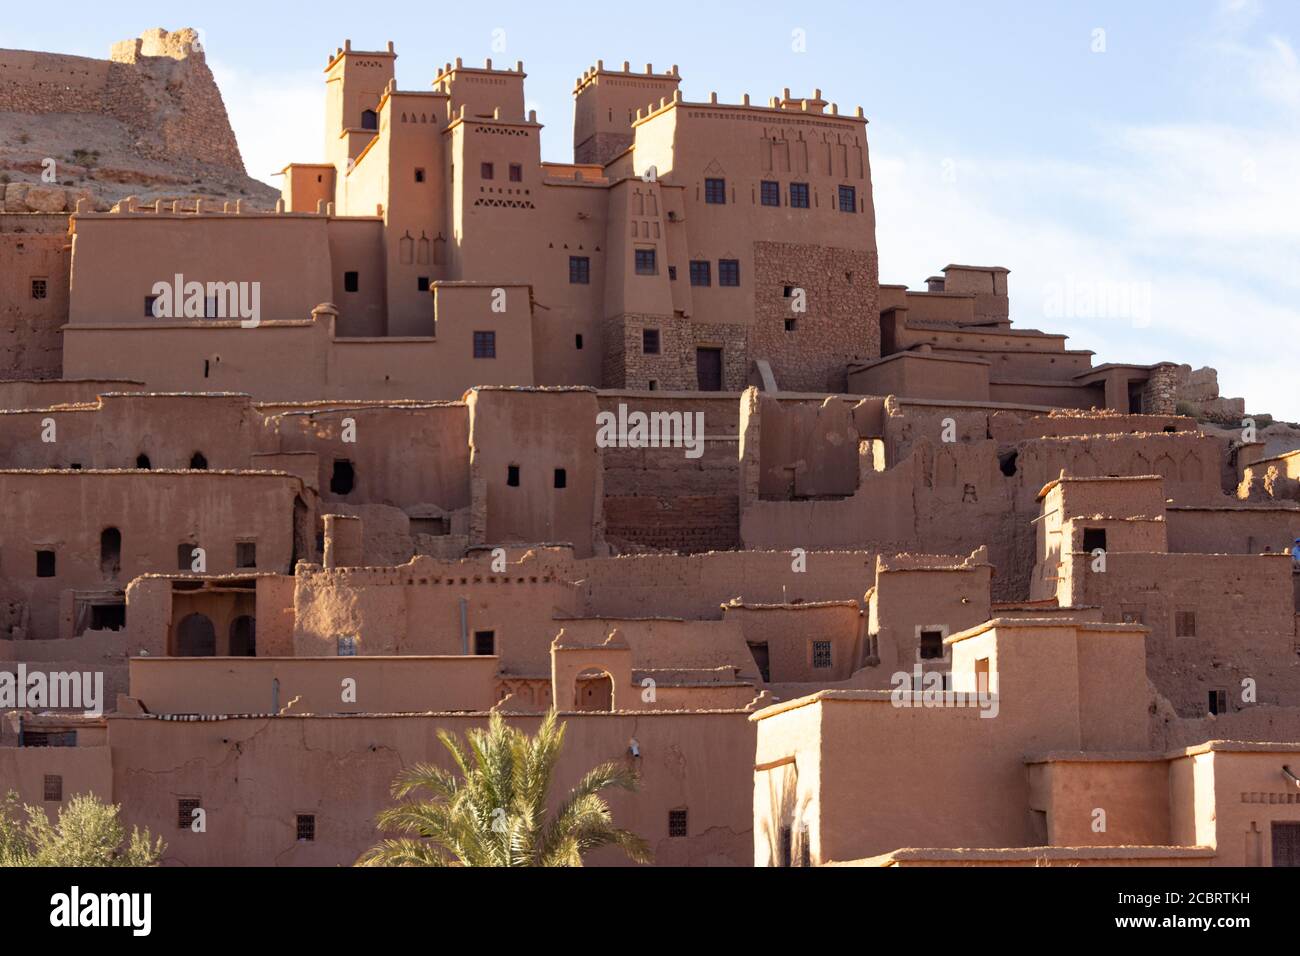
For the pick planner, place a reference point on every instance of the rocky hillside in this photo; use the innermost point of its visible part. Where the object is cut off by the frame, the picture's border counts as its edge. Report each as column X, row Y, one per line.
column 149, row 122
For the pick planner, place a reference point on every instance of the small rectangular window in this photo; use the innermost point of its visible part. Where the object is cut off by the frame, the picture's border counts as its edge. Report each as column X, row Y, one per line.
column 45, row 564
column 149, row 302
column 419, row 175
column 512, row 476
column 649, row 341
column 185, row 808
column 485, row 345
column 729, row 272
column 48, row 738
column 347, row 646
column 40, row 288
column 1094, row 539
column 821, row 653
column 1218, row 702
column 790, row 325
column 516, row 173
column 306, row 827
column 577, row 341
column 485, row 170
column 646, row 264
column 848, row 199
column 351, row 281
column 770, row 193
column 53, row 787
column 931, row 645
column 185, row 556
column 799, row 195
column 561, row 478
column 672, row 273
column 579, row 270
column 715, row 191
column 701, row 273
column 485, row 643
column 1184, row 623
column 245, row 554
column 677, row 823
column 422, row 284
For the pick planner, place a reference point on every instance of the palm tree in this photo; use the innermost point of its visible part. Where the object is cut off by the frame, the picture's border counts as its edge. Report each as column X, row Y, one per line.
column 494, row 811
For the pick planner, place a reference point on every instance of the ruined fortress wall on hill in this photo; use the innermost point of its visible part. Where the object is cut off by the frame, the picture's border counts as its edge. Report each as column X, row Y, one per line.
column 158, row 85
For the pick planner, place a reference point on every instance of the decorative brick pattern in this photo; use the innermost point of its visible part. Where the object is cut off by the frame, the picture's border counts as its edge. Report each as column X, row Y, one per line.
column 687, row 524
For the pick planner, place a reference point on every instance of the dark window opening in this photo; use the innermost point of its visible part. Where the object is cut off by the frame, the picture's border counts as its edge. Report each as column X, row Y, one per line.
column 646, row 264
column 770, row 193
column 107, row 617
column 1094, row 538
column 149, row 302
column 672, row 273
column 351, row 281
column 343, row 478
column 198, row 462
column 512, row 476
column 53, row 787
column 1218, row 701
column 649, row 341
column 848, row 199
column 729, row 272
column 577, row 341
column 485, row 643
column 821, row 653
column 485, row 345
column 110, row 552
column 516, row 173
column 701, row 273
column 185, row 808
column 561, row 478
column 1007, row 462
column 762, row 659
column 245, row 554
column 485, row 170
column 142, row 461
column 40, row 288
column 1184, row 623
column 579, row 270
column 306, row 827
column 243, row 636
column 48, row 738
column 419, row 175
column 422, row 284
column 369, row 119
column 45, row 564
column 185, row 556
column 715, row 191
column 931, row 645
column 799, row 195
column 677, row 823
column 790, row 325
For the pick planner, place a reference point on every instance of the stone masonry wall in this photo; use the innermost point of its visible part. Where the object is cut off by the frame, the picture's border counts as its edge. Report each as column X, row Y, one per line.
column 841, row 322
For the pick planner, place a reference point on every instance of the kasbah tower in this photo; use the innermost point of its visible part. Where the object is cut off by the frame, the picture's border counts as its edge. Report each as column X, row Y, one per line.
column 640, row 438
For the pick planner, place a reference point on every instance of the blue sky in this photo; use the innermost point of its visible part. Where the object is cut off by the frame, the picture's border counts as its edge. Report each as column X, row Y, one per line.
column 1136, row 166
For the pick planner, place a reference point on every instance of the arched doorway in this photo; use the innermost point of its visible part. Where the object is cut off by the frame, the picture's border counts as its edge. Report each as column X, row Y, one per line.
column 196, row 637
column 243, row 636
column 594, row 690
